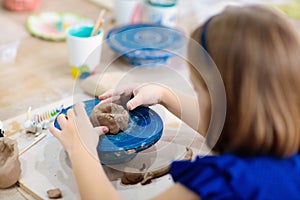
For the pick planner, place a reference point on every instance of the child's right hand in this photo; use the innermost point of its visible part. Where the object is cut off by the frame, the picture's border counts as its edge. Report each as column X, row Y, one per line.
column 144, row 95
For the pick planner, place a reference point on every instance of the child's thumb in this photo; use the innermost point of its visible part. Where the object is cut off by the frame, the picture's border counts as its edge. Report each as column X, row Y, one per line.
column 100, row 130
column 134, row 102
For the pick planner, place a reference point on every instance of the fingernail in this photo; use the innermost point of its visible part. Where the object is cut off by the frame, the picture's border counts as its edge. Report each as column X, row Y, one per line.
column 129, row 106
column 105, row 130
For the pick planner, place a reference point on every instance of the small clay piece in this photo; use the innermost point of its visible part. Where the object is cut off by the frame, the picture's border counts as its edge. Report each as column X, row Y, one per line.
column 112, row 115
column 132, row 178
column 145, row 178
column 10, row 167
column 54, row 193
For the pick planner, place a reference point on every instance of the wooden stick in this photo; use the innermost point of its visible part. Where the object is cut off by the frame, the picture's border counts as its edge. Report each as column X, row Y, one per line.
column 28, row 191
column 98, row 23
column 36, row 140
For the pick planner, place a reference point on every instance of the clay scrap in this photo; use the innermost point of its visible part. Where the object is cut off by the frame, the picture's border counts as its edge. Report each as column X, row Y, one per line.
column 146, row 177
column 54, row 193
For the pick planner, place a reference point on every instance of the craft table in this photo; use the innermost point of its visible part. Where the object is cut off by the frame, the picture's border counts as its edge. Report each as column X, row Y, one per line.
column 40, row 78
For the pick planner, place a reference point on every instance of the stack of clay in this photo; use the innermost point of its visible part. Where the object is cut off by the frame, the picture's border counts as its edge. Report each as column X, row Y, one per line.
column 10, row 167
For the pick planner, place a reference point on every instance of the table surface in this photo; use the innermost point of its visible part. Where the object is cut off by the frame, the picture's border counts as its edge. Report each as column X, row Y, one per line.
column 40, row 75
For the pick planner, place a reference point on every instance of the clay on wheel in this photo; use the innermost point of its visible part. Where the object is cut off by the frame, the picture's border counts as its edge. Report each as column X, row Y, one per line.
column 112, row 115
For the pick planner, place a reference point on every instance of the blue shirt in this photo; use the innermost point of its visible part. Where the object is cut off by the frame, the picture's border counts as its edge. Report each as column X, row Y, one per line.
column 232, row 177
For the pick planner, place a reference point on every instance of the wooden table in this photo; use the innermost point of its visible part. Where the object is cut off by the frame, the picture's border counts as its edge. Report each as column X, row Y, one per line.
column 40, row 74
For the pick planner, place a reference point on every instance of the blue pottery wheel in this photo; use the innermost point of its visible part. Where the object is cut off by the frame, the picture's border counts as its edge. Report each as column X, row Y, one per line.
column 146, row 44
column 144, row 130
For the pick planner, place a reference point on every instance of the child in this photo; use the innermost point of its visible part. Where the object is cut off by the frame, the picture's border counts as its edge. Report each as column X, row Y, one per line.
column 256, row 157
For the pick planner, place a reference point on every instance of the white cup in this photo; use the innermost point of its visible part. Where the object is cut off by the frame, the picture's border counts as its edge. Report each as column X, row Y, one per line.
column 84, row 51
column 128, row 11
column 162, row 12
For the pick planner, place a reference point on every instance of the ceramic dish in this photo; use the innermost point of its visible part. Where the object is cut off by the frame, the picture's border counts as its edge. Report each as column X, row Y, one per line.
column 146, row 44
column 144, row 130
column 52, row 25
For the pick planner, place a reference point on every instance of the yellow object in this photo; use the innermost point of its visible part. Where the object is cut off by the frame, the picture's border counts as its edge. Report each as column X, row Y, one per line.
column 75, row 72
column 28, row 113
column 292, row 8
column 80, row 72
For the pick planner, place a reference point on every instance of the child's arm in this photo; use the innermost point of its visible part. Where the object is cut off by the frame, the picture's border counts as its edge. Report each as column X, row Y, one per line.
column 80, row 140
column 182, row 105
column 91, row 179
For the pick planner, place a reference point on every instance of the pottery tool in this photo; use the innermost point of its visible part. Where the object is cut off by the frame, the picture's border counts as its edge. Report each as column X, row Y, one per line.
column 98, row 23
column 36, row 140
column 28, row 190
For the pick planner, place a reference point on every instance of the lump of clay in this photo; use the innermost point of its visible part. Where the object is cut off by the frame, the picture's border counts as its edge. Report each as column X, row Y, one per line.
column 112, row 115
column 54, row 193
column 10, row 167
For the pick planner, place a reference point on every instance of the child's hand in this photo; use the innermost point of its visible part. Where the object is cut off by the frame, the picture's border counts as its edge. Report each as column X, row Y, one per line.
column 144, row 95
column 76, row 130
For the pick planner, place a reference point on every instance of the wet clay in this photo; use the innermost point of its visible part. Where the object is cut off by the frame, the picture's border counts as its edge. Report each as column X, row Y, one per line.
column 112, row 115
column 6, row 149
column 146, row 177
column 10, row 167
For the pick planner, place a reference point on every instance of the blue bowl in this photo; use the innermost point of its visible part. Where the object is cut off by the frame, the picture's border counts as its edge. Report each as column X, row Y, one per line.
column 146, row 44
column 144, row 129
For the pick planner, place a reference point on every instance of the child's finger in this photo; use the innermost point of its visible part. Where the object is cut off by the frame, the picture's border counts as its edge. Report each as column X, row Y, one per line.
column 107, row 94
column 62, row 120
column 100, row 130
column 134, row 102
column 108, row 100
column 55, row 131
column 79, row 109
column 80, row 112
column 70, row 114
column 113, row 99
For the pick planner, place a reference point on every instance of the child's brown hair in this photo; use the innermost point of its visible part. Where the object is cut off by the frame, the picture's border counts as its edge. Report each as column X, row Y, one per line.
column 257, row 52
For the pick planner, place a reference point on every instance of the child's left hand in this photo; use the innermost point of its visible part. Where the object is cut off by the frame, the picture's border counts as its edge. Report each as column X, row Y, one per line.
column 77, row 130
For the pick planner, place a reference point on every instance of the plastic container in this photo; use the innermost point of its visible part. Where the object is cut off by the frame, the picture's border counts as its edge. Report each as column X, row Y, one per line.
column 162, row 12
column 8, row 51
column 10, row 39
column 21, row 5
column 128, row 11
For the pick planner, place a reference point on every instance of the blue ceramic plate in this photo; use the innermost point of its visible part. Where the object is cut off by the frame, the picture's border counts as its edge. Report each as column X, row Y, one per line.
column 146, row 44
column 144, row 130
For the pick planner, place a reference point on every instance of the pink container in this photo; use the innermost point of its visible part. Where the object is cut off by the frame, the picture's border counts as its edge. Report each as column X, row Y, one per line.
column 21, row 5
